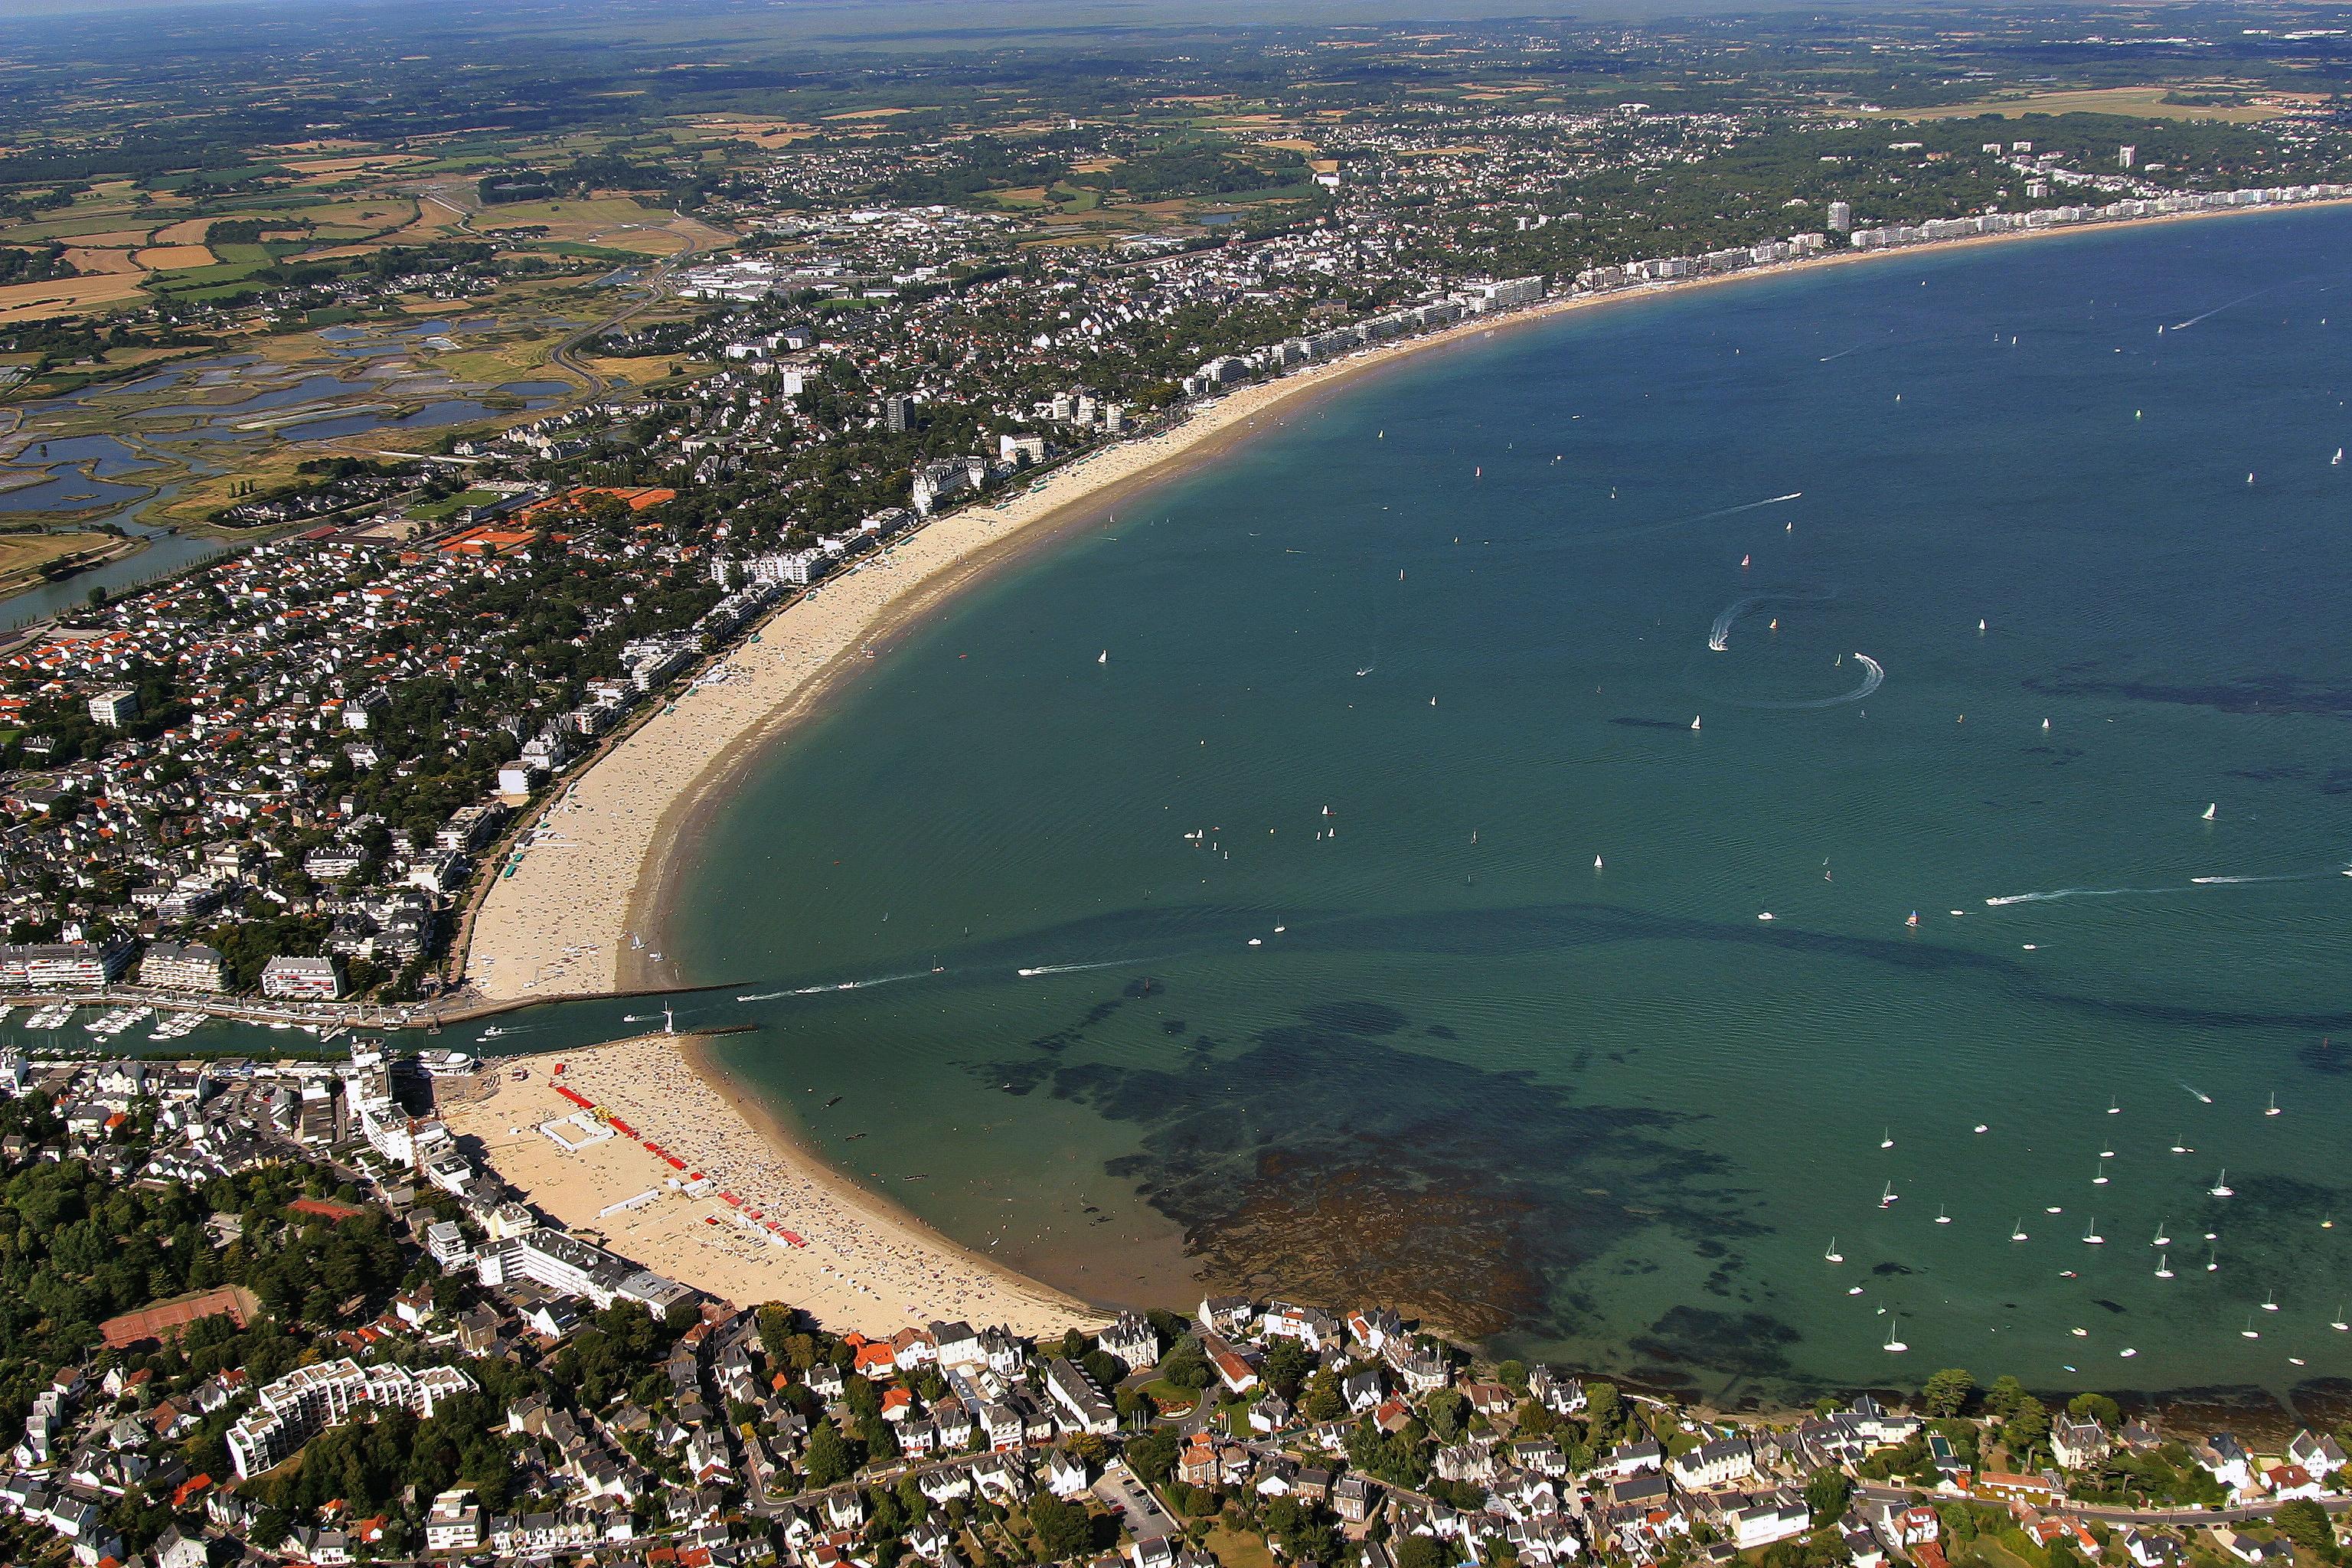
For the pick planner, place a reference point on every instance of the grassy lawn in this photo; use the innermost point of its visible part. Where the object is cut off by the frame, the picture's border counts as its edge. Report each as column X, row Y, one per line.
column 1236, row 1549
column 29, row 551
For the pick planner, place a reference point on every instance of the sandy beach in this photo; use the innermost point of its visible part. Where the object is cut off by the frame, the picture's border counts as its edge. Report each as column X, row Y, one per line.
column 857, row 1264
column 582, row 915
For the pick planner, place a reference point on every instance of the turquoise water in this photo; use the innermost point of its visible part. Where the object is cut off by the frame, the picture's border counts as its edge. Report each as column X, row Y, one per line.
column 1610, row 1114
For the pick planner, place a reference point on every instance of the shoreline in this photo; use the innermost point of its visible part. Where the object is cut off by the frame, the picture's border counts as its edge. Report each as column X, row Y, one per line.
column 558, row 912
column 853, row 1260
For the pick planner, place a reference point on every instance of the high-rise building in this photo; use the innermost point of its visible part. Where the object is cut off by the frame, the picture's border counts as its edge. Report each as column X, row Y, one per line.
column 2126, row 155
column 898, row 412
column 1842, row 217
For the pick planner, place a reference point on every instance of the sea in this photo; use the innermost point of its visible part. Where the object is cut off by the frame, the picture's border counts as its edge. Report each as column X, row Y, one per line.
column 1759, row 840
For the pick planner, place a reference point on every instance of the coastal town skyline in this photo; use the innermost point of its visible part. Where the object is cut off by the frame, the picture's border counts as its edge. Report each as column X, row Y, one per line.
column 923, row 783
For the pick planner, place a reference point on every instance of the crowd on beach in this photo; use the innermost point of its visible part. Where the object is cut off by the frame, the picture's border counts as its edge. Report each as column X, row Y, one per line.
column 789, row 1210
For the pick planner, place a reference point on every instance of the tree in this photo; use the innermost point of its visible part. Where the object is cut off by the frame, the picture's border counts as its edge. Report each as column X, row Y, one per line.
column 1446, row 1409
column 1288, row 1363
column 1947, row 1393
column 2027, row 1428
column 1827, row 1494
column 1602, row 1412
column 2306, row 1524
column 1420, row 1551
column 1323, row 1402
column 1064, row 1531
column 1185, row 1367
column 828, row 1461
column 1153, row 1456
column 2003, row 1396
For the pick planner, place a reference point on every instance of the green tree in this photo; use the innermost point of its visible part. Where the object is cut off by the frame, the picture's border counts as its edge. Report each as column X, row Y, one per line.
column 1602, row 1411
column 1422, row 1552
column 1947, row 1393
column 2003, row 1396
column 2306, row 1522
column 1827, row 1494
column 1288, row 1363
column 2027, row 1428
column 1323, row 1401
column 1062, row 1529
column 828, row 1461
column 1185, row 1366
column 1446, row 1410
column 1153, row 1455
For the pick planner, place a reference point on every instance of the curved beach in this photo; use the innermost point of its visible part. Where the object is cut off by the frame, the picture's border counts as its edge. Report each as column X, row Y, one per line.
column 563, row 925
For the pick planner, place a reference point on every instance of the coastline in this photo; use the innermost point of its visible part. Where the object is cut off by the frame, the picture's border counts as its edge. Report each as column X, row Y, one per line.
column 557, row 917
column 853, row 1260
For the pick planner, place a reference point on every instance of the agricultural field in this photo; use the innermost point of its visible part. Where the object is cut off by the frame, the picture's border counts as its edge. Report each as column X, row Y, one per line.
column 2233, row 104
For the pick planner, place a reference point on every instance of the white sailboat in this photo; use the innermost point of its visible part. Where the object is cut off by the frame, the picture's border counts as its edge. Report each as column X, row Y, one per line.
column 1596, row 862
column 2164, row 1266
column 2340, row 1323
column 1833, row 1254
column 1694, row 721
column 1892, row 1345
column 2221, row 1187
column 1103, row 658
column 2212, row 1260
column 2208, row 810
column 2274, row 1109
column 2101, row 1179
column 1887, row 1199
column 1941, row 1217
column 2161, row 1239
column 2270, row 1302
column 2092, row 1237
column 1886, row 1139
column 2249, row 1331
column 2017, row 1229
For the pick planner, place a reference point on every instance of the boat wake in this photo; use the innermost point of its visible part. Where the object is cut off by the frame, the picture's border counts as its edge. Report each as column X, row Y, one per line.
column 1644, row 529
column 2184, row 326
column 2224, row 881
column 1718, row 635
column 1076, row 968
column 2055, row 894
column 1842, row 353
column 823, row 990
column 1873, row 676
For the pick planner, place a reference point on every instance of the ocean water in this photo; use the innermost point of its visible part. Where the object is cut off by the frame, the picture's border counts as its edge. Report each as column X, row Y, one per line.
column 1213, row 897
column 1219, row 888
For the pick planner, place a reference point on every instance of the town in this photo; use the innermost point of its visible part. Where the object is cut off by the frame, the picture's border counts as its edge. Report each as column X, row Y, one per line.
column 274, row 1311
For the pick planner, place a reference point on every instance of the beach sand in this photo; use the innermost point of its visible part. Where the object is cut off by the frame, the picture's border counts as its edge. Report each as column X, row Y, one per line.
column 865, row 1266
